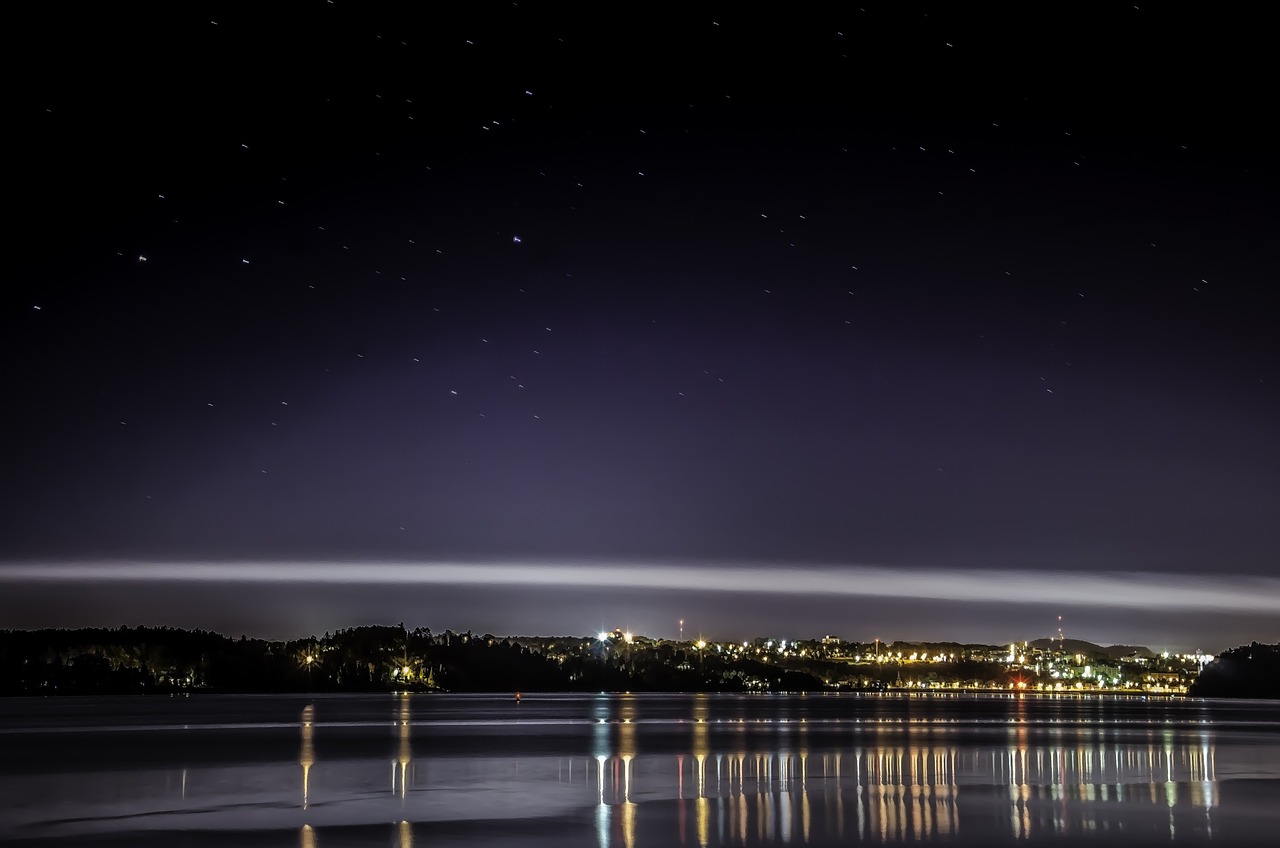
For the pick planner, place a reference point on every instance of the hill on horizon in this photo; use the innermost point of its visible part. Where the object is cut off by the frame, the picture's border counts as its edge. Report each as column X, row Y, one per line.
column 1080, row 646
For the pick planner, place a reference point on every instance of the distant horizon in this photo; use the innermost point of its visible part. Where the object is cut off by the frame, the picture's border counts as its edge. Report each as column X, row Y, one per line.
column 277, row 600
column 789, row 638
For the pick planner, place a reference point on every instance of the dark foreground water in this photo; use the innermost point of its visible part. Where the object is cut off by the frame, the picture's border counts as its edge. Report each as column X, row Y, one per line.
column 616, row 771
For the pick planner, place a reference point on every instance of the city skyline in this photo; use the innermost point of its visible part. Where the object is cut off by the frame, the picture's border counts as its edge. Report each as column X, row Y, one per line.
column 387, row 657
column 946, row 319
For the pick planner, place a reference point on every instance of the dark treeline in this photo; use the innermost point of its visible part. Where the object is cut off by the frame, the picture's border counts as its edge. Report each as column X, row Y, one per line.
column 1250, row 671
column 146, row 660
column 162, row 660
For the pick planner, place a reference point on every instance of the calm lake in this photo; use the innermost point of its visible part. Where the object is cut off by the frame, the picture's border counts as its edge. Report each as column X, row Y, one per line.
column 616, row 771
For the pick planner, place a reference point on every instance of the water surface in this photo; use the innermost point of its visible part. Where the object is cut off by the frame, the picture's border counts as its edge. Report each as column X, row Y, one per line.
column 617, row 771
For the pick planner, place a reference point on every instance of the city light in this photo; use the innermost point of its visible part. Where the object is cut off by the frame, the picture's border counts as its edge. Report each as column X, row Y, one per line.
column 827, row 663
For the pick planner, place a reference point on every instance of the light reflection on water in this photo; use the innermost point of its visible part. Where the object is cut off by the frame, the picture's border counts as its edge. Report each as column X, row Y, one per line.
column 694, row 770
column 898, row 792
column 889, row 792
column 307, row 756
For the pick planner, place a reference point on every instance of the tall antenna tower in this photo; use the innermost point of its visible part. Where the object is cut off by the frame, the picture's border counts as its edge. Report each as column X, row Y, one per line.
column 1060, row 638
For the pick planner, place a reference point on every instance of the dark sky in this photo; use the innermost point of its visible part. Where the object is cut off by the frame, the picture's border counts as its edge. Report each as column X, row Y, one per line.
column 939, row 290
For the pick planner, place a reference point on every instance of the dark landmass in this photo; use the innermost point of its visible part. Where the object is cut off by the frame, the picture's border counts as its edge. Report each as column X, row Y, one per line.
column 1120, row 651
column 362, row 659
column 162, row 660
column 1089, row 649
column 1250, row 671
column 1074, row 646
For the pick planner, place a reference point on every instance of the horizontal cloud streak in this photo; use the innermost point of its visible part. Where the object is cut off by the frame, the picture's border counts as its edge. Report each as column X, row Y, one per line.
column 1136, row 590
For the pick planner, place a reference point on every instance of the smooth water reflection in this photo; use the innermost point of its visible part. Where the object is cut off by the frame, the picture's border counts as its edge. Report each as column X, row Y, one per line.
column 307, row 756
column 787, row 784
column 701, row 770
column 899, row 792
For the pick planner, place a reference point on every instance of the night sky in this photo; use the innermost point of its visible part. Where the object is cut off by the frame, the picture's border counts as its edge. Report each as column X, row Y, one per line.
column 898, row 321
